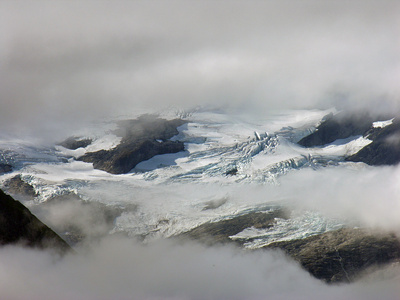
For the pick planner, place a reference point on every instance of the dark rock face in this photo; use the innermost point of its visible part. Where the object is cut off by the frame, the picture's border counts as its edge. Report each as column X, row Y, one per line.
column 218, row 232
column 340, row 256
column 334, row 257
column 17, row 187
column 142, row 139
column 19, row 226
column 339, row 126
column 232, row 172
column 5, row 168
column 74, row 143
column 385, row 148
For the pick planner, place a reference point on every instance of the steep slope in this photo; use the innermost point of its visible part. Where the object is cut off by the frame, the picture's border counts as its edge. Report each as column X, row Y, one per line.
column 20, row 189
column 385, row 148
column 340, row 256
column 74, row 143
column 19, row 226
column 339, row 126
column 219, row 232
column 334, row 256
column 385, row 136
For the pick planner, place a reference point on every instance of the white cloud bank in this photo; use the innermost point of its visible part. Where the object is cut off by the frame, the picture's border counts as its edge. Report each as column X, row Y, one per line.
column 67, row 61
column 118, row 269
column 367, row 196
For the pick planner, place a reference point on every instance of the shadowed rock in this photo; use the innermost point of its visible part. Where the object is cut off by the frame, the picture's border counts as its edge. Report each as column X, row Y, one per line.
column 142, row 139
column 339, row 126
column 232, row 172
column 335, row 256
column 19, row 226
column 74, row 143
column 5, row 168
column 341, row 255
column 19, row 188
column 384, row 149
column 219, row 232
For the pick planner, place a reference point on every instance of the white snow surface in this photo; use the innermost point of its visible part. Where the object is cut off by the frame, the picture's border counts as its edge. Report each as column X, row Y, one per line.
column 382, row 124
column 171, row 191
column 297, row 227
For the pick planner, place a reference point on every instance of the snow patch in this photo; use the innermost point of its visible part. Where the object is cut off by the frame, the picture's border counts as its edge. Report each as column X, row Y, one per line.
column 382, row 124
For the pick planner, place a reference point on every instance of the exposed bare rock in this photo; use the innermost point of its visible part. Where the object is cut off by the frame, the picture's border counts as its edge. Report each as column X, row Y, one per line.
column 19, row 226
column 142, row 139
column 339, row 126
column 5, row 168
column 19, row 188
column 384, row 149
column 74, row 143
column 341, row 255
column 220, row 231
column 232, row 172
column 385, row 146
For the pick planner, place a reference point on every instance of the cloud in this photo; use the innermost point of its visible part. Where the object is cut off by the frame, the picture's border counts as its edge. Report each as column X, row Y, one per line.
column 66, row 62
column 363, row 195
column 120, row 269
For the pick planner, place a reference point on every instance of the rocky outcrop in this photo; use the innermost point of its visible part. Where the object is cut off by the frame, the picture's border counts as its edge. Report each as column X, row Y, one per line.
column 19, row 188
column 5, row 168
column 19, row 226
column 384, row 149
column 74, row 143
column 219, row 232
column 232, row 172
column 339, row 126
column 340, row 256
column 142, row 139
column 334, row 257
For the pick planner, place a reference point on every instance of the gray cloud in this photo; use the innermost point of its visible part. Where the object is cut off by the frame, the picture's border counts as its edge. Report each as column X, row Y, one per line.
column 119, row 269
column 366, row 196
column 65, row 62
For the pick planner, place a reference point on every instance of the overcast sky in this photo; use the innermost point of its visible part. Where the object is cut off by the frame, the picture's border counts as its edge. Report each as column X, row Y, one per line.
column 65, row 61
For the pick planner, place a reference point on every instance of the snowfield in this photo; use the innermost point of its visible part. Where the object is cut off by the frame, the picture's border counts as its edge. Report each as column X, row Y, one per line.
column 171, row 190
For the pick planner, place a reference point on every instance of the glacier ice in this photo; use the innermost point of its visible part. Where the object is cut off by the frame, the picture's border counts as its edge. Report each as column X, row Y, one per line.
column 259, row 150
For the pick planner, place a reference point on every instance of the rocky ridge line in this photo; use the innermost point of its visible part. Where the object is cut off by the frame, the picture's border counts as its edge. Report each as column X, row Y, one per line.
column 384, row 148
column 18, row 226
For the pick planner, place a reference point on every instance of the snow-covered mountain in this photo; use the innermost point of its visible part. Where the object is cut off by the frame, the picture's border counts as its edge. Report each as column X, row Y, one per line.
column 230, row 182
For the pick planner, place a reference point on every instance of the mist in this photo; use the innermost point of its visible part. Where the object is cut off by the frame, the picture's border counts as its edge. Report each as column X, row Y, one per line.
column 120, row 269
column 364, row 196
column 66, row 63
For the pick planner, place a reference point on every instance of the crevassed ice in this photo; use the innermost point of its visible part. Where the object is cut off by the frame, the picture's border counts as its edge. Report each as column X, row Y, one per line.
column 262, row 150
column 308, row 224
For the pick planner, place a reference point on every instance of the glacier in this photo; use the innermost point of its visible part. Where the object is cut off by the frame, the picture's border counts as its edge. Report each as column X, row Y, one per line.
column 171, row 190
